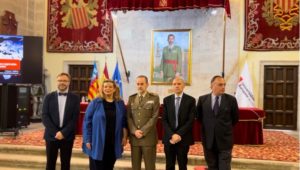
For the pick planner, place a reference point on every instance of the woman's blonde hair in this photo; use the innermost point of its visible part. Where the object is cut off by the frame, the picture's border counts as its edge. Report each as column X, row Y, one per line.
column 116, row 95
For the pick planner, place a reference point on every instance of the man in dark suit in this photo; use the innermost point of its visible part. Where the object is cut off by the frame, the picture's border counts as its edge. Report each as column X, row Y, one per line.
column 60, row 113
column 218, row 113
column 178, row 117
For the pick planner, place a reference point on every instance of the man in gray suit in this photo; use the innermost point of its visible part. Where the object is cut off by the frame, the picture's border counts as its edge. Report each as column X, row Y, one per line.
column 142, row 114
column 218, row 113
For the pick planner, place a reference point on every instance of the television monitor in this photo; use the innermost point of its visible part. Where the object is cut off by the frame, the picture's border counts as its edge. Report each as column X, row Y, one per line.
column 21, row 59
column 11, row 55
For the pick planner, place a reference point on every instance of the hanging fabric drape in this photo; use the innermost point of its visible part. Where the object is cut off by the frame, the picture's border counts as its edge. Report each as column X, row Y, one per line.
column 162, row 5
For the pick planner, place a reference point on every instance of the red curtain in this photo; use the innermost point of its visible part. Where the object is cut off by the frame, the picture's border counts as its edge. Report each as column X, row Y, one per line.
column 162, row 5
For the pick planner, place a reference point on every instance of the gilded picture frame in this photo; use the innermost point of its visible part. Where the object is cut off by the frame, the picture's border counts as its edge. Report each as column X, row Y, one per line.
column 171, row 56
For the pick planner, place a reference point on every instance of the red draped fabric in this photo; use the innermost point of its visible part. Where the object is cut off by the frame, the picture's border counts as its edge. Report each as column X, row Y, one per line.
column 162, row 5
column 249, row 129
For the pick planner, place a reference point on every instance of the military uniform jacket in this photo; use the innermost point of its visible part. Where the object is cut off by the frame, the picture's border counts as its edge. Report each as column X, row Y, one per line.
column 171, row 61
column 143, row 116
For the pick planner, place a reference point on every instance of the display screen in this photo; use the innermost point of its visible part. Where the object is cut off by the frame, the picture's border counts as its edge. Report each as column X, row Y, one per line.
column 11, row 56
column 21, row 59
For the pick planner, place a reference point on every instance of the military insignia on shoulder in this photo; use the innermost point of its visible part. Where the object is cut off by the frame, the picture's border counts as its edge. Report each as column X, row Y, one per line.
column 133, row 95
column 153, row 94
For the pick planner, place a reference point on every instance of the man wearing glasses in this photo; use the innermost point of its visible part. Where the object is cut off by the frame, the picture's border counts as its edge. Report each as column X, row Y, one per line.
column 60, row 113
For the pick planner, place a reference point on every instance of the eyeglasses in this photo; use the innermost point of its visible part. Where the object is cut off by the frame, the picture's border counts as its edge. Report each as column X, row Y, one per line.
column 63, row 81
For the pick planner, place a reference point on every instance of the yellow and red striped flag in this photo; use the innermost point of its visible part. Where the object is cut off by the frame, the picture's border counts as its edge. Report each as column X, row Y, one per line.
column 94, row 84
column 79, row 18
column 104, row 76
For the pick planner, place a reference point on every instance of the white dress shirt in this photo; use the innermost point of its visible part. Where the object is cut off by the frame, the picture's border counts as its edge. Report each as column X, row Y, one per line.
column 61, row 107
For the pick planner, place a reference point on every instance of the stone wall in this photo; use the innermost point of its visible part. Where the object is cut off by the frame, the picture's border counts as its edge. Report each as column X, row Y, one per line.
column 29, row 15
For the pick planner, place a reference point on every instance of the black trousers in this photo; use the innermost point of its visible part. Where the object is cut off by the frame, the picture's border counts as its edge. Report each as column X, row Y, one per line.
column 176, row 151
column 65, row 148
column 217, row 159
column 108, row 161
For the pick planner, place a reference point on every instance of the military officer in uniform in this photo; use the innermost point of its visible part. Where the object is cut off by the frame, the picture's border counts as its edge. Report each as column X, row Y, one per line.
column 142, row 113
column 171, row 60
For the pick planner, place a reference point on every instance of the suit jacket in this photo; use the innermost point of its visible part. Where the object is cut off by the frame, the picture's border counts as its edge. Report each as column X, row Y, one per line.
column 143, row 116
column 186, row 116
column 219, row 126
column 50, row 116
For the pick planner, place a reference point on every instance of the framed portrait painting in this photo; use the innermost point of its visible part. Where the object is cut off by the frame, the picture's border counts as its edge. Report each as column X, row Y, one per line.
column 171, row 56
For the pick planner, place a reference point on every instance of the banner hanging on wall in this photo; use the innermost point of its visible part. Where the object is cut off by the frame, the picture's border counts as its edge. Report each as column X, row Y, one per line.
column 79, row 26
column 271, row 25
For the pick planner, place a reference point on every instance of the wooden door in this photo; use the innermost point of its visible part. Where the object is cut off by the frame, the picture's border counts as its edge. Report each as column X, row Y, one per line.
column 81, row 75
column 280, row 97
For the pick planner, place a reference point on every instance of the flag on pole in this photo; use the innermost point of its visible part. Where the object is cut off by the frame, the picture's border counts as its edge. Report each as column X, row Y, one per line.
column 117, row 78
column 244, row 91
column 94, row 85
column 104, row 75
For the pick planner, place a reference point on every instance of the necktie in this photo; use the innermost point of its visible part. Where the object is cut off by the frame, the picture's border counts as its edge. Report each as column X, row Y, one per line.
column 177, row 103
column 140, row 99
column 216, row 105
column 62, row 94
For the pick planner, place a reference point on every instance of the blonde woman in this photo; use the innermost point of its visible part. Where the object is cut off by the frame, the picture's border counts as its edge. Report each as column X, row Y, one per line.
column 105, row 128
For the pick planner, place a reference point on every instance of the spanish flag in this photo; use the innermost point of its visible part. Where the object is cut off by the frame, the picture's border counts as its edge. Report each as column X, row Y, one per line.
column 104, row 76
column 94, row 84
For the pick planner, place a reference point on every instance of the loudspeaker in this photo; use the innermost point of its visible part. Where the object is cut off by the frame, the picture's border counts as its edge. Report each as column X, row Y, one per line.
column 8, row 107
column 14, row 106
column 23, row 100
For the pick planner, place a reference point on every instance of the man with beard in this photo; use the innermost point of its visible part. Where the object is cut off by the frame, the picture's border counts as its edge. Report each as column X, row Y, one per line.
column 60, row 113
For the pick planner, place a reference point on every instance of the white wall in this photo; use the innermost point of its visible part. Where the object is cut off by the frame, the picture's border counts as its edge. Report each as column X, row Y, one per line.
column 135, row 29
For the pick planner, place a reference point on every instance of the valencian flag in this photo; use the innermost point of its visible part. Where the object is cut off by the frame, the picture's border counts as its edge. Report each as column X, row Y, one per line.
column 244, row 92
column 117, row 78
column 94, row 85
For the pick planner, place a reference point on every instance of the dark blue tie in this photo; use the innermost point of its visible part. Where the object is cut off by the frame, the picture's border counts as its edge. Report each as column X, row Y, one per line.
column 216, row 105
column 177, row 103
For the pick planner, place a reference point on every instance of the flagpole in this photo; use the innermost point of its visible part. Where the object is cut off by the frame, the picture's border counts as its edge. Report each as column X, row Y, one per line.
column 121, row 52
column 224, row 45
